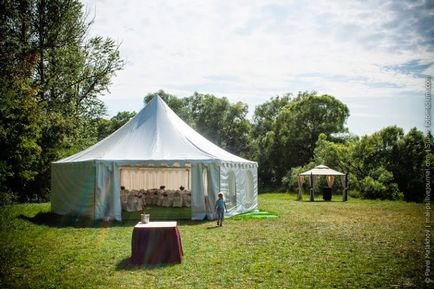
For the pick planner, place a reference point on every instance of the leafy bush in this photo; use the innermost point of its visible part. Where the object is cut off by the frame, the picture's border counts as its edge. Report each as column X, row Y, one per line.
column 7, row 198
column 380, row 185
column 354, row 194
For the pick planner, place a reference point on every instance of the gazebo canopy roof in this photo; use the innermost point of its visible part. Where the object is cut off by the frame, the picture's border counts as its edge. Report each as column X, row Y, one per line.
column 322, row 170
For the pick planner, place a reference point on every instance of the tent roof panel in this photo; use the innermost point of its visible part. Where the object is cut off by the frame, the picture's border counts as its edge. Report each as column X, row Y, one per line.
column 155, row 133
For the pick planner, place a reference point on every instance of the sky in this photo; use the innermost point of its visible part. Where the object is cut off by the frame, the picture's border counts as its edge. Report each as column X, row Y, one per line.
column 371, row 55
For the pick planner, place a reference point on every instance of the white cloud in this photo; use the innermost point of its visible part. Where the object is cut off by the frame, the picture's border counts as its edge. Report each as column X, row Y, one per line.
column 252, row 50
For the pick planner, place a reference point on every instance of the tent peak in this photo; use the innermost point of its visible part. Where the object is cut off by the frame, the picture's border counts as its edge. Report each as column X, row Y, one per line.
column 322, row 170
column 155, row 133
column 322, row 167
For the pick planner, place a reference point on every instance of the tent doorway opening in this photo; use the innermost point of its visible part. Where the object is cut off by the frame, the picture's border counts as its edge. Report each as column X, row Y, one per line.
column 162, row 192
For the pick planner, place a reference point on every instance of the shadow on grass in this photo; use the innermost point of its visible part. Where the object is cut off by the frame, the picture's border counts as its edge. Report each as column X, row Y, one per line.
column 61, row 221
column 126, row 265
column 322, row 201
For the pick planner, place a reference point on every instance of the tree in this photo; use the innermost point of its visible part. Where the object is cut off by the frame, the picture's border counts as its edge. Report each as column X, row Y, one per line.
column 20, row 121
column 237, row 130
column 221, row 122
column 408, row 164
column 71, row 72
column 262, row 136
column 106, row 127
column 66, row 73
column 20, row 116
column 381, row 185
column 266, row 113
column 374, row 159
column 296, row 128
column 383, row 165
column 337, row 155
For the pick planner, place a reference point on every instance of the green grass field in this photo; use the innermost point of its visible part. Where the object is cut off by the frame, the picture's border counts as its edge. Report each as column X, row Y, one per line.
column 357, row 244
column 159, row 213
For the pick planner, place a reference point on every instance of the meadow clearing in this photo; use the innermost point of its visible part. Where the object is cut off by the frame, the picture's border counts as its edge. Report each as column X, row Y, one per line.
column 354, row 244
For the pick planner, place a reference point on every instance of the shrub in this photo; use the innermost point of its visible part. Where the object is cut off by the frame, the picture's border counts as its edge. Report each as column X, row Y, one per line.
column 354, row 194
column 380, row 185
column 7, row 198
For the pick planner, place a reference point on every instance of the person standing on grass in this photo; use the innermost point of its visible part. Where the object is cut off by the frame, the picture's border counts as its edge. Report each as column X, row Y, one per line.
column 220, row 207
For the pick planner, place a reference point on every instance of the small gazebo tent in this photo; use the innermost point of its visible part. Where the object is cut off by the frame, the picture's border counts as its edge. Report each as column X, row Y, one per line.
column 328, row 173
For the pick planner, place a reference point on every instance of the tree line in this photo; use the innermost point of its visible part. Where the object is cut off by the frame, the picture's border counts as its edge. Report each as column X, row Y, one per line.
column 51, row 74
column 291, row 134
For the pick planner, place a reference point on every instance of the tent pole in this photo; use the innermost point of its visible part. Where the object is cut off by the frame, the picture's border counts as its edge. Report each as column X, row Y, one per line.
column 311, row 188
column 94, row 198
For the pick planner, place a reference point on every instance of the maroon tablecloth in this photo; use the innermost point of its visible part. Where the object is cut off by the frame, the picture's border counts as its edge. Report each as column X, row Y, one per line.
column 157, row 245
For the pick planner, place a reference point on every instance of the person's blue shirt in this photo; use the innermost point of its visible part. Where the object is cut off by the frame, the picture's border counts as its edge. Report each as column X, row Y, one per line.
column 220, row 203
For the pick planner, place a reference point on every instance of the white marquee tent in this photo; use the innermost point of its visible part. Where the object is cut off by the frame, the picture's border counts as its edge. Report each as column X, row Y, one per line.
column 155, row 142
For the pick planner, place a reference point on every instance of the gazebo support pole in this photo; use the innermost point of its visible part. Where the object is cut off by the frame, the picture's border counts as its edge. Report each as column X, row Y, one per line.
column 345, row 196
column 311, row 188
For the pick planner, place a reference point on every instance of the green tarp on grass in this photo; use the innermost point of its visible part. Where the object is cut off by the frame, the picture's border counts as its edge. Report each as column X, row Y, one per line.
column 258, row 215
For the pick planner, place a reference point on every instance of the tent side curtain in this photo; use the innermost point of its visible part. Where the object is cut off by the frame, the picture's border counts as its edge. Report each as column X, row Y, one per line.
column 198, row 205
column 93, row 188
column 213, row 187
column 108, row 199
column 300, row 181
column 330, row 181
column 239, row 185
column 344, row 181
column 73, row 188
